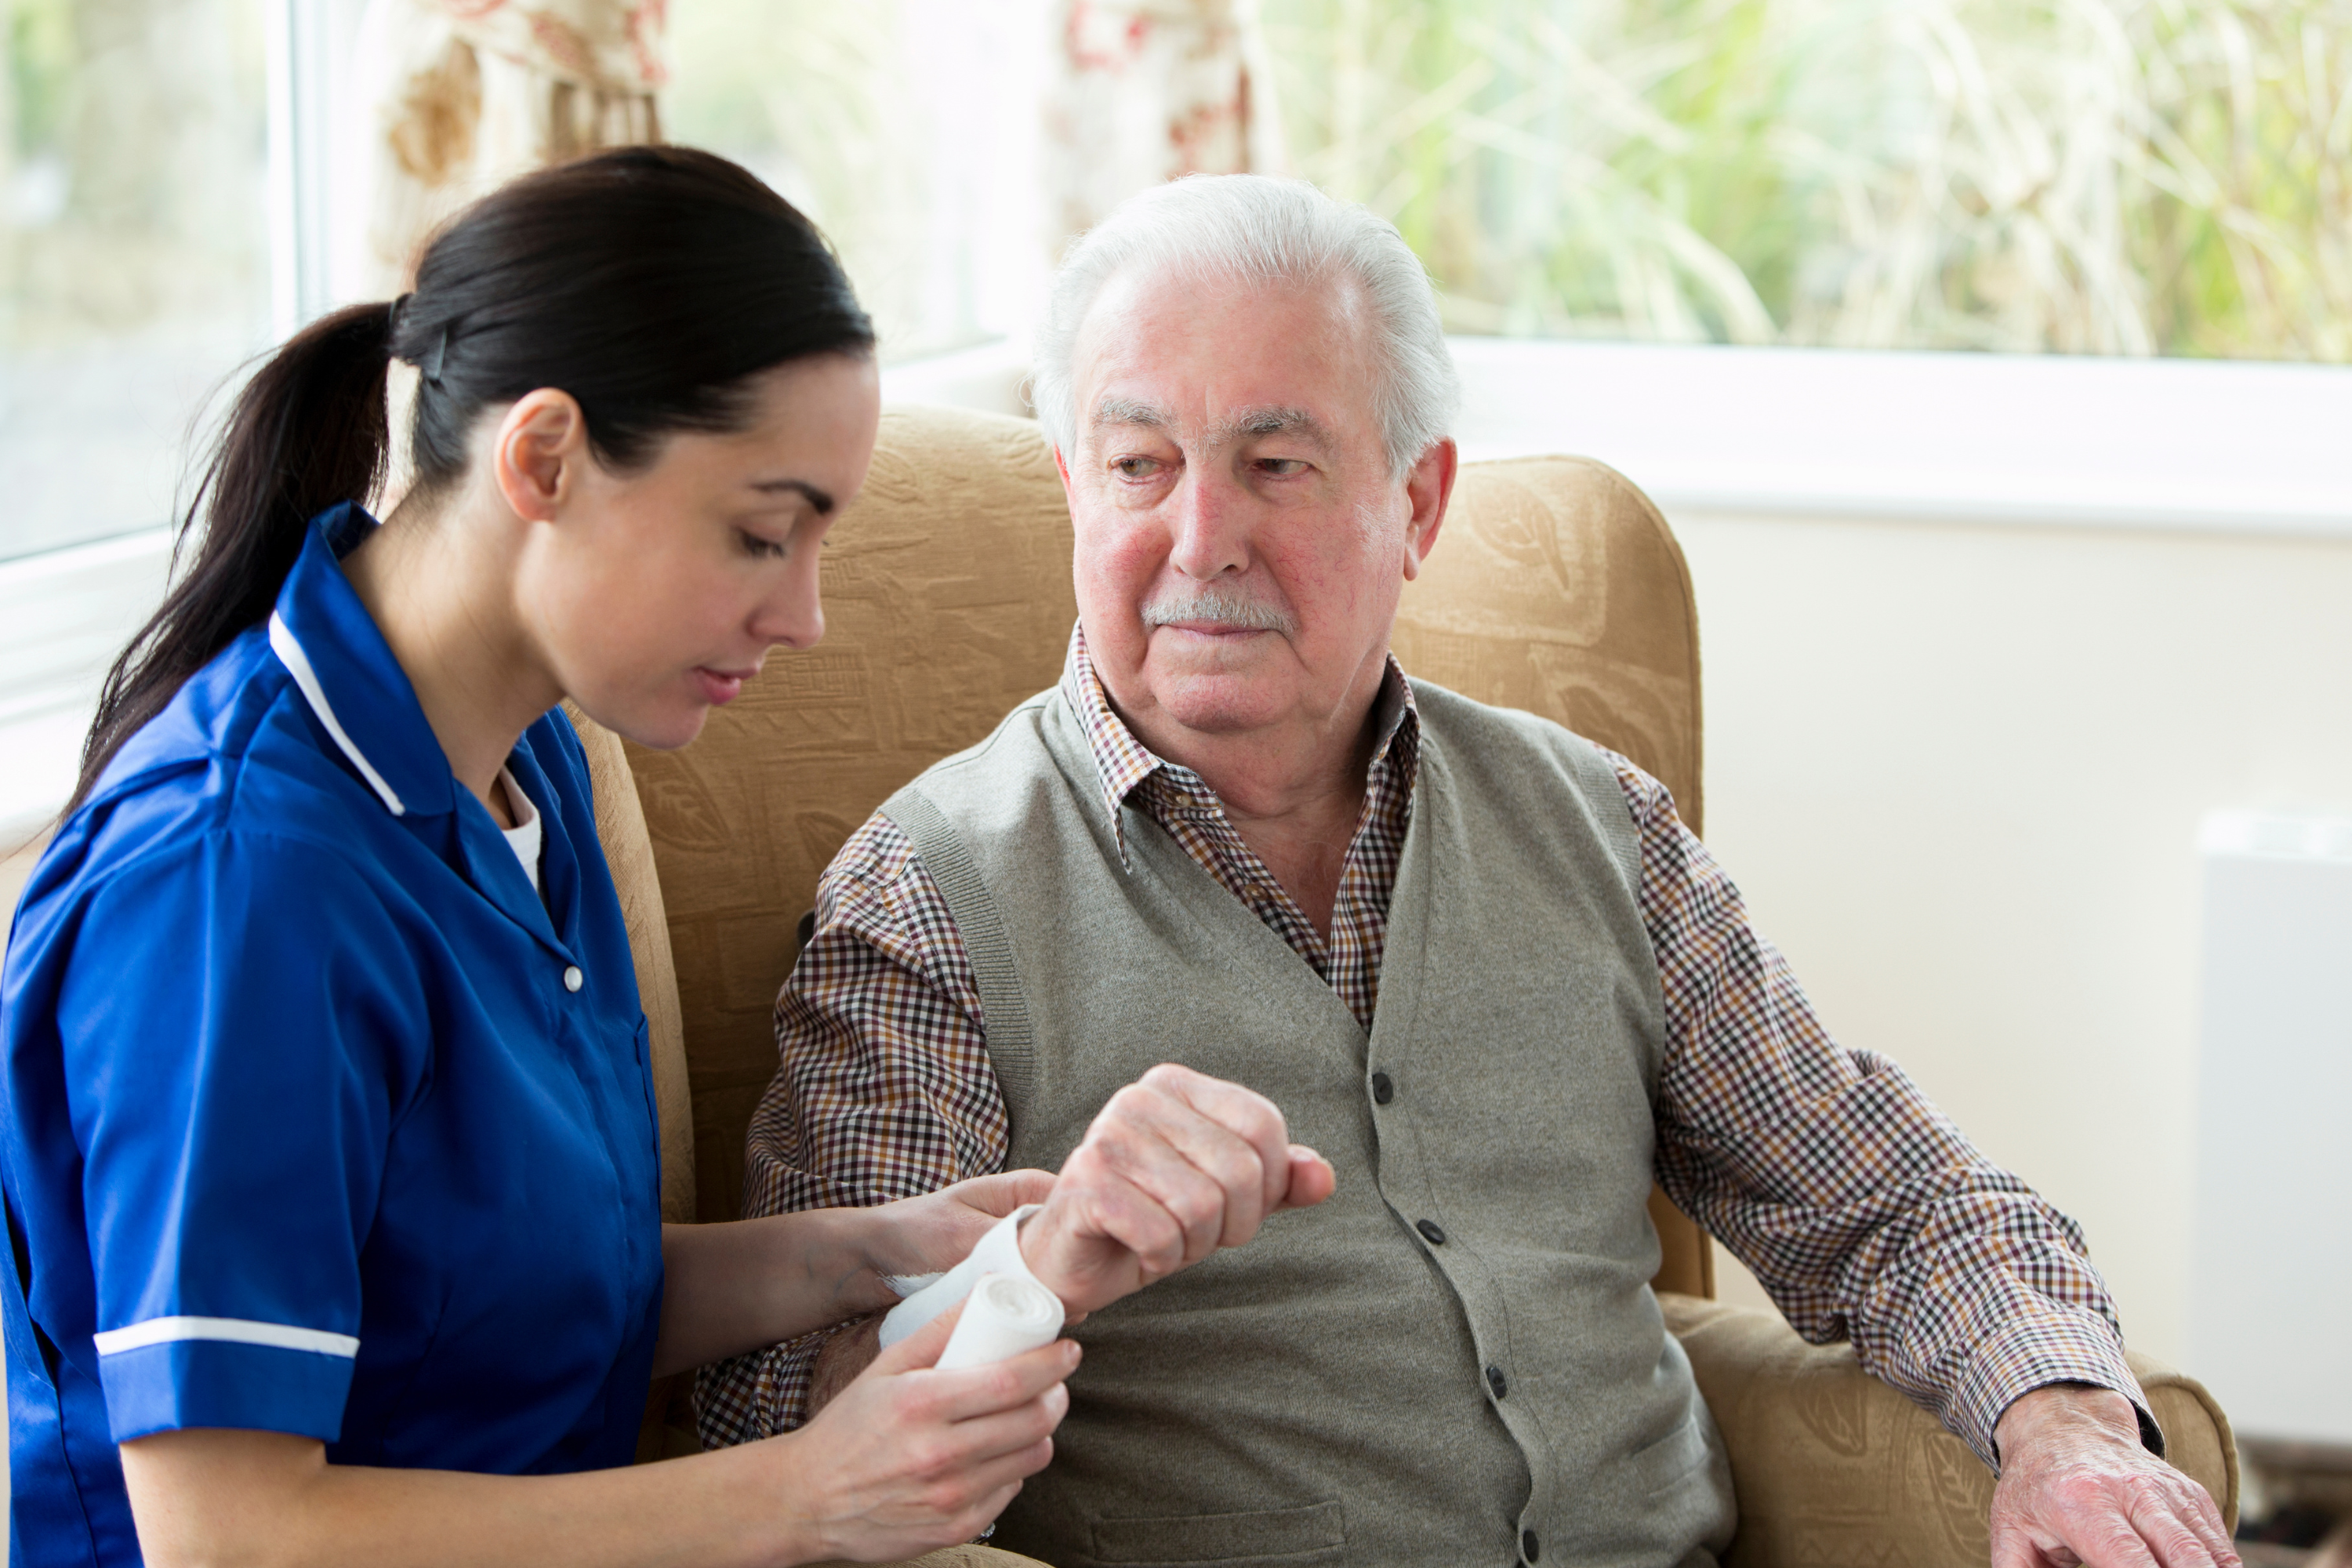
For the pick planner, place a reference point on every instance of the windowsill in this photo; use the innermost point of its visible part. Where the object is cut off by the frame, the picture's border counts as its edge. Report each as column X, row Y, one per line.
column 1973, row 439
column 1966, row 439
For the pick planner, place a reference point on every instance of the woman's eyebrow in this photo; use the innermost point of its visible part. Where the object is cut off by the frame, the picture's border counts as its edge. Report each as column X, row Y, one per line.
column 821, row 500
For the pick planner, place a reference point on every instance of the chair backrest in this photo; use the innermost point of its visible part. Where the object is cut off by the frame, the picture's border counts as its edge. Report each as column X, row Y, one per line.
column 1558, row 588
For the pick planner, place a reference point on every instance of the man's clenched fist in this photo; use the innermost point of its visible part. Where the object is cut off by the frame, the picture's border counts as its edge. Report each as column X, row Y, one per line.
column 1177, row 1165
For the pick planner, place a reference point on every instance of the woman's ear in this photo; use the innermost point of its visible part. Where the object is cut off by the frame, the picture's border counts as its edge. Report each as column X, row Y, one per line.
column 535, row 457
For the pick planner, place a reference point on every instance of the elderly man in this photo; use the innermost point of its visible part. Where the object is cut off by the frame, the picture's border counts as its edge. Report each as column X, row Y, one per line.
column 1476, row 961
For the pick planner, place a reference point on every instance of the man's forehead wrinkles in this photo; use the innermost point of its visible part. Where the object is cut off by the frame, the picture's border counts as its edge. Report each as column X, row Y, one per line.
column 1269, row 419
column 1133, row 411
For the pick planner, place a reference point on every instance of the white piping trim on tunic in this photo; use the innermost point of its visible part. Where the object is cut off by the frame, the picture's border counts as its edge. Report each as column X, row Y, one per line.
column 234, row 1331
column 298, row 665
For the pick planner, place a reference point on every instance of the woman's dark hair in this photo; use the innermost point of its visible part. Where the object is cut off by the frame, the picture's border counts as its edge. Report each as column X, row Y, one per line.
column 651, row 283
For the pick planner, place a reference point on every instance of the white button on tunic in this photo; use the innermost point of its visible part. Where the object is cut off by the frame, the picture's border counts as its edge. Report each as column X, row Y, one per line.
column 573, row 978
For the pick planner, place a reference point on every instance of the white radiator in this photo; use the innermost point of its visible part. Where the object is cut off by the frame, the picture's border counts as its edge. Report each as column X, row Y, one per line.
column 2270, row 1321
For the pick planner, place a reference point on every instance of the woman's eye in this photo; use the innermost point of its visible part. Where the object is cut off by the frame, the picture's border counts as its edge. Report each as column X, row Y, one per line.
column 765, row 549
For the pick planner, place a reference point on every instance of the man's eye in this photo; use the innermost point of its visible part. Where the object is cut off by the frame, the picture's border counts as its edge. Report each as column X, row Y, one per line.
column 1281, row 468
column 1134, row 468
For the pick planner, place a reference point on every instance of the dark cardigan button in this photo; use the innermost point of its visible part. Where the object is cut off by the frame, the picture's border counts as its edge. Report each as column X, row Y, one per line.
column 1382, row 1089
column 1430, row 1229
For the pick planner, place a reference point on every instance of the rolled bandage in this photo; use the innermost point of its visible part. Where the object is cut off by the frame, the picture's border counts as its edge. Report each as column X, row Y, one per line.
column 999, row 1252
column 1002, row 1318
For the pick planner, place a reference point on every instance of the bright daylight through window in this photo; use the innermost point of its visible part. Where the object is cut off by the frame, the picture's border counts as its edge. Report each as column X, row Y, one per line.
column 2088, row 177
column 2090, row 195
column 134, row 249
column 2122, row 177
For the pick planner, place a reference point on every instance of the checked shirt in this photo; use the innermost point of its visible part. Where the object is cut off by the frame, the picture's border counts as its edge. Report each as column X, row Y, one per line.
column 1860, row 1206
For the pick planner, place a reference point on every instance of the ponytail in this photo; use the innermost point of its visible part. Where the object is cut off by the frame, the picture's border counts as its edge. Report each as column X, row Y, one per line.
column 306, row 432
column 651, row 283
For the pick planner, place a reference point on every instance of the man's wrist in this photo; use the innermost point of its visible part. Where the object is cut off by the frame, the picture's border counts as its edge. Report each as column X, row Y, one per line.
column 850, row 1350
column 2064, row 1408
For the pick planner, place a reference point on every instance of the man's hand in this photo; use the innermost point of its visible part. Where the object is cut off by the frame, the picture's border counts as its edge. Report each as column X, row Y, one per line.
column 2077, row 1486
column 1177, row 1165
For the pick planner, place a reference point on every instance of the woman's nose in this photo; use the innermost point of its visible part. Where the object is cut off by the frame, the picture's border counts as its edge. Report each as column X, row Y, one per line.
column 793, row 618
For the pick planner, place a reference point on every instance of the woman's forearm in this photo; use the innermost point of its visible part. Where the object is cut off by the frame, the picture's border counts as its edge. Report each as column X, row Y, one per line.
column 908, row 1460
column 730, row 1288
column 265, row 1499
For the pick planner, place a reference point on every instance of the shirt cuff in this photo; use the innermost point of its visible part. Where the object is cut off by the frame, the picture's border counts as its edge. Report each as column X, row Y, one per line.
column 213, row 1383
column 2058, row 1344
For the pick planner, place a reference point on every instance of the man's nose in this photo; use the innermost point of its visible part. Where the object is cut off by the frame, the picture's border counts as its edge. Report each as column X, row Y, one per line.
column 1210, row 525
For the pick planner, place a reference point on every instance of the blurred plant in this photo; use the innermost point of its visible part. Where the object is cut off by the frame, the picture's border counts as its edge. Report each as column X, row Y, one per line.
column 820, row 101
column 2103, row 176
column 131, row 161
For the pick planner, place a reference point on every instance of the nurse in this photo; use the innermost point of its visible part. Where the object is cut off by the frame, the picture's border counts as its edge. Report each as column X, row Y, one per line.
column 329, row 1145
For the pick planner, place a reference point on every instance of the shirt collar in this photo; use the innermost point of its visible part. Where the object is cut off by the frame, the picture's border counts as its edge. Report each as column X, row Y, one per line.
column 346, row 672
column 1122, row 762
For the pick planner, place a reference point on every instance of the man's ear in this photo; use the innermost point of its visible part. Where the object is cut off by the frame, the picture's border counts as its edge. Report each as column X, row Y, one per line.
column 1061, row 466
column 1429, row 486
column 535, row 457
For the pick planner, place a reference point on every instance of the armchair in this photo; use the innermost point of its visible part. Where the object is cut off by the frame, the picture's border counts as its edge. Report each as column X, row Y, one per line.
column 1558, row 588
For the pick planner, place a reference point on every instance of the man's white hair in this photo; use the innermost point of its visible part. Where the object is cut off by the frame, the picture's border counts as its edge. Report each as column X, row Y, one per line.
column 1259, row 230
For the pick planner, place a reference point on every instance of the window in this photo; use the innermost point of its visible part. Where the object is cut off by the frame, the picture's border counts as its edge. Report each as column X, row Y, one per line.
column 2086, row 176
column 905, row 128
column 134, row 250
column 1680, row 233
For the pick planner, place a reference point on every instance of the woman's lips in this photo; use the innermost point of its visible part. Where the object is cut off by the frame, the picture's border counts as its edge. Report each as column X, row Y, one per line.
column 720, row 687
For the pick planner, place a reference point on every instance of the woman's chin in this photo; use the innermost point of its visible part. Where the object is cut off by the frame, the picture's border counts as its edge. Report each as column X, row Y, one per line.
column 661, row 727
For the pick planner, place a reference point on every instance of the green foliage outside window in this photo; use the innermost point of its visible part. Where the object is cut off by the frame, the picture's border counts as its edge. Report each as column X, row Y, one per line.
column 2093, row 176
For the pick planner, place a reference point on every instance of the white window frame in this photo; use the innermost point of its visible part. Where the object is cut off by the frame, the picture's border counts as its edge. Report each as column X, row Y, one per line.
column 1975, row 439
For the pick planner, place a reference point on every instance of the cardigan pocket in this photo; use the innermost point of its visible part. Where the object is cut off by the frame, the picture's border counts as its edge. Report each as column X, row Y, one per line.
column 1305, row 1537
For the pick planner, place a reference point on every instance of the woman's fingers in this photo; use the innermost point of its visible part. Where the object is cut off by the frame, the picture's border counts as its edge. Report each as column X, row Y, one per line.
column 986, row 1439
column 917, row 1349
column 999, row 1194
column 969, row 1393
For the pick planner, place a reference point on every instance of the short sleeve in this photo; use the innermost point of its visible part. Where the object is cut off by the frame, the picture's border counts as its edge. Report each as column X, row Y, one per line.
column 238, row 1035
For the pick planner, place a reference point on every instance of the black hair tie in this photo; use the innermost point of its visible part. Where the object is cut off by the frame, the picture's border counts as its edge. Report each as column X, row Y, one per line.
column 430, row 367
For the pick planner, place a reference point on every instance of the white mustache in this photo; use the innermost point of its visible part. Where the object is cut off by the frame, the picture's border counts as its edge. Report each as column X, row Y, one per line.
column 1218, row 610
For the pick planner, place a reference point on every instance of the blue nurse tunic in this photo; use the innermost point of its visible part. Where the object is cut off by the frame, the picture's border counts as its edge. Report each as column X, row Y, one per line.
column 318, row 1119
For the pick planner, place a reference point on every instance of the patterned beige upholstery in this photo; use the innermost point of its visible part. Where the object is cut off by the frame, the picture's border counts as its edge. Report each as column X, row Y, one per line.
column 1835, row 1470
column 1557, row 588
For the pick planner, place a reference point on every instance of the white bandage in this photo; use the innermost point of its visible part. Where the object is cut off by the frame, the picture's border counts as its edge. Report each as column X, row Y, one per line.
column 1003, row 1316
column 999, row 1252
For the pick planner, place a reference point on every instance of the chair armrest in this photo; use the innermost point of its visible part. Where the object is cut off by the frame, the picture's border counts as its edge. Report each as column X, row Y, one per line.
column 1833, row 1465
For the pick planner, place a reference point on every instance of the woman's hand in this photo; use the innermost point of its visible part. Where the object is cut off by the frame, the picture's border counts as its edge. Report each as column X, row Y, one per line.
column 931, row 1233
column 908, row 1460
column 742, row 1286
column 1177, row 1165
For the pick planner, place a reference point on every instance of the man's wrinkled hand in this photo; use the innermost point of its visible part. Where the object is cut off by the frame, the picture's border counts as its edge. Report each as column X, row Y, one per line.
column 2078, row 1488
column 1177, row 1165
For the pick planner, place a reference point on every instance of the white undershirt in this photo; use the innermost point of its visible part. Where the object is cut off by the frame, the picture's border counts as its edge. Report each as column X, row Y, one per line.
column 524, row 836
